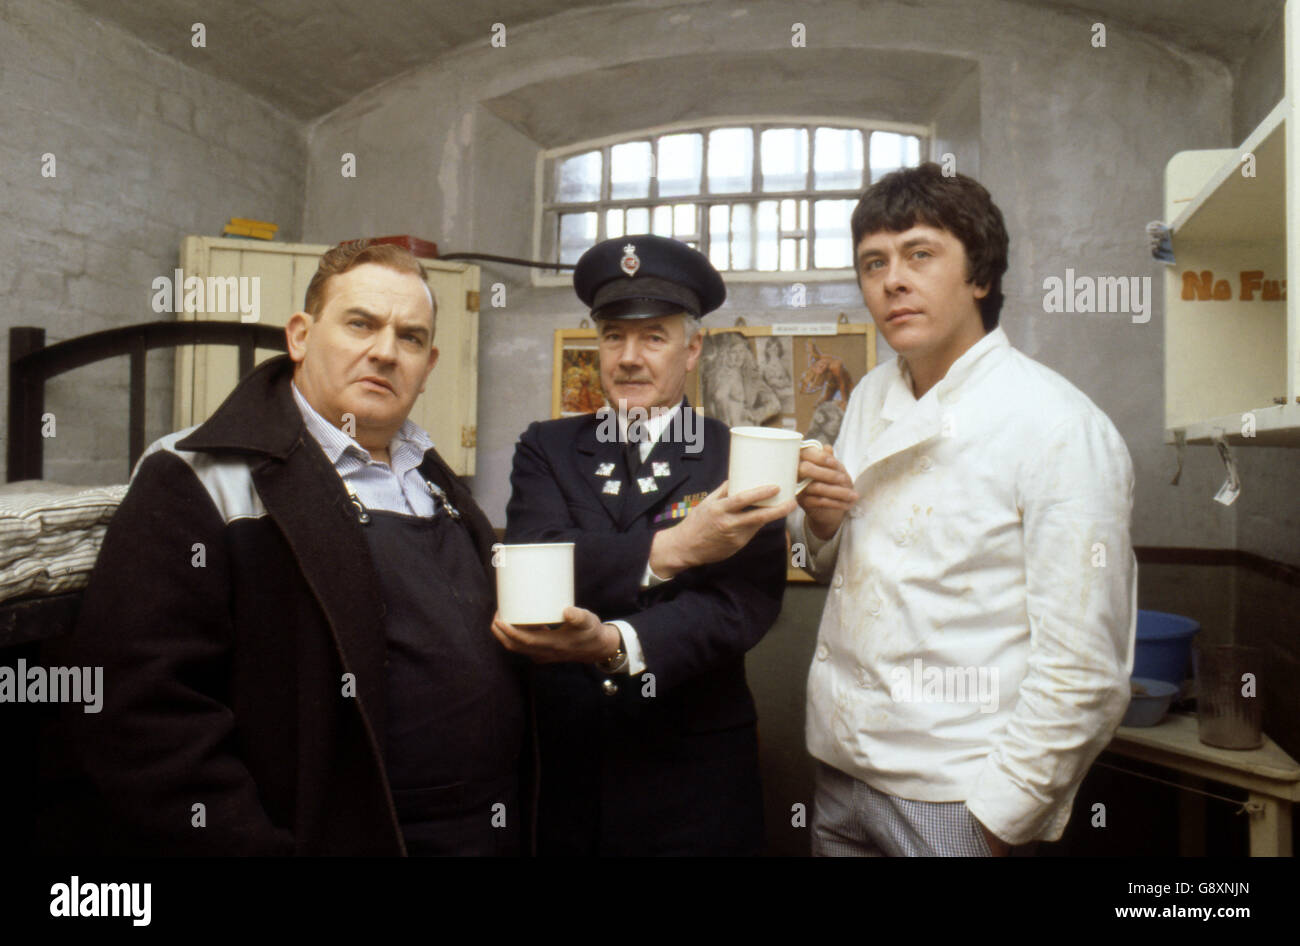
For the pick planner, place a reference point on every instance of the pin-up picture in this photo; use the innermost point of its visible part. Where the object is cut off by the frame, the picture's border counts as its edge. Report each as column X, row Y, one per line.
column 798, row 377
column 794, row 376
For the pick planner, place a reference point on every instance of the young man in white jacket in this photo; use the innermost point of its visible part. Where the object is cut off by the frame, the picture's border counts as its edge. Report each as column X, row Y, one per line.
column 974, row 654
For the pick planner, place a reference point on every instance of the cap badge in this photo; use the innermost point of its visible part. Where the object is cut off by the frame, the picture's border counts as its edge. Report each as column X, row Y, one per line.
column 630, row 262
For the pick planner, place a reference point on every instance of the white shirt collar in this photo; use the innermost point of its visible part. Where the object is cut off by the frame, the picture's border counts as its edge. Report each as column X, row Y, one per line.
column 335, row 443
column 654, row 424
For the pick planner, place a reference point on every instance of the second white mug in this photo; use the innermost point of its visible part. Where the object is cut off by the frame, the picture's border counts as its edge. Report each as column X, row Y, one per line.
column 766, row 456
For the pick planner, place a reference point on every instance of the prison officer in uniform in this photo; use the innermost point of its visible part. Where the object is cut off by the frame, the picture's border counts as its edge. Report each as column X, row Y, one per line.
column 646, row 726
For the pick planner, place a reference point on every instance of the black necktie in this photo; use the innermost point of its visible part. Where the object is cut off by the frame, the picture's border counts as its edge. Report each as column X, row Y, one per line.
column 632, row 457
column 636, row 432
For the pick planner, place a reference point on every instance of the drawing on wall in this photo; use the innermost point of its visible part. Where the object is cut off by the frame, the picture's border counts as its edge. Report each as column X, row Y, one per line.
column 778, row 367
column 735, row 391
column 827, row 383
column 753, row 376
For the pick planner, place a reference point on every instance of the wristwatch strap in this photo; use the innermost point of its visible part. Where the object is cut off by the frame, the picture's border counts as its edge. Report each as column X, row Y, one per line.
column 618, row 662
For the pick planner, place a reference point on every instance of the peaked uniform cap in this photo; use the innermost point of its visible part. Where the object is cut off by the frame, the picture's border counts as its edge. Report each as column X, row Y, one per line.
column 639, row 276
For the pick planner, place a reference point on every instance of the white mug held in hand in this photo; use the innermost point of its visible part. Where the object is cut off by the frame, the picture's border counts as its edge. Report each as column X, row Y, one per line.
column 534, row 582
column 767, row 456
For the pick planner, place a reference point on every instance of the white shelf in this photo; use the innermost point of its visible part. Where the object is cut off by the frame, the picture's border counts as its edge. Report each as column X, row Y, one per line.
column 1232, row 341
column 1232, row 208
column 1276, row 426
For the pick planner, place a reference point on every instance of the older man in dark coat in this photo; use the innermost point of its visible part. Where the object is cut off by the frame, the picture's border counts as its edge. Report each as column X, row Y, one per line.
column 292, row 610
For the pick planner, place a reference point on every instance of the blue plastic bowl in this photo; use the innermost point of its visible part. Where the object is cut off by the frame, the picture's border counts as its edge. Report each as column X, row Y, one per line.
column 1149, row 704
column 1164, row 646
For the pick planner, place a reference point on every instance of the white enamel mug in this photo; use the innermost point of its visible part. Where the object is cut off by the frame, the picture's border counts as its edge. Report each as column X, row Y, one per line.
column 767, row 456
column 534, row 581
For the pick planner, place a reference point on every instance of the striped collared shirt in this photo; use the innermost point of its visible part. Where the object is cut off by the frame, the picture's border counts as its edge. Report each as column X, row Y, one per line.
column 396, row 486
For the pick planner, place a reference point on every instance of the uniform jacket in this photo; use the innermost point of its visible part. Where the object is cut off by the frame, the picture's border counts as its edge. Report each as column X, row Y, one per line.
column 624, row 772
column 978, row 634
column 234, row 607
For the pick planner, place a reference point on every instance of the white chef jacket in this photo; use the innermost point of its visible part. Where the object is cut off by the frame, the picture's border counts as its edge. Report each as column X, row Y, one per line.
column 978, row 635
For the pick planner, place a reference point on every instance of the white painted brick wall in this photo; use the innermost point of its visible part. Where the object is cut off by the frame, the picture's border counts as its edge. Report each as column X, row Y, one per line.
column 148, row 150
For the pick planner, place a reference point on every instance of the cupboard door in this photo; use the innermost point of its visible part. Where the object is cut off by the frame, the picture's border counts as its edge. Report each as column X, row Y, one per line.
column 448, row 407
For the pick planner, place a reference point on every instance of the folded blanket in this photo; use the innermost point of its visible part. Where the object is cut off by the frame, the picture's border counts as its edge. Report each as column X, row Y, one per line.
column 50, row 534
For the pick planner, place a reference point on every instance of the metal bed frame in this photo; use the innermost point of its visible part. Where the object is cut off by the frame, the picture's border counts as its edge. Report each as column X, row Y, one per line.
column 32, row 363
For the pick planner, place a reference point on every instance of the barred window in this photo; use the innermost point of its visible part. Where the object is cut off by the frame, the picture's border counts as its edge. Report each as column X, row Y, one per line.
column 768, row 197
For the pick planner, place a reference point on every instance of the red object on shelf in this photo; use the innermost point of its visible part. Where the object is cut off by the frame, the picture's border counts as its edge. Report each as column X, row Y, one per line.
column 425, row 249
